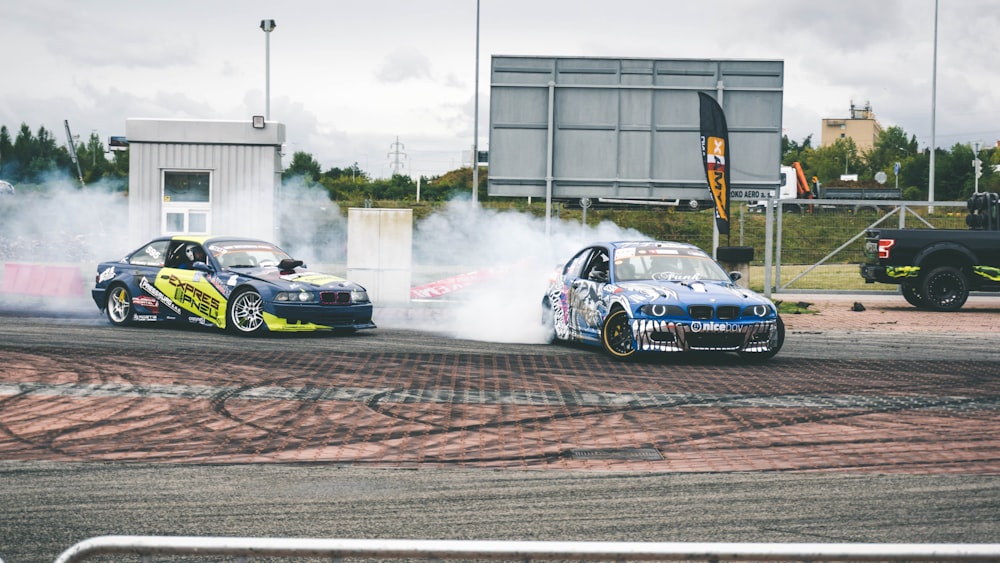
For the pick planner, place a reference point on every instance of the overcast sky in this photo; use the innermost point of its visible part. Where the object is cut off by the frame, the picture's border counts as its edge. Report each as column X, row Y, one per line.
column 349, row 77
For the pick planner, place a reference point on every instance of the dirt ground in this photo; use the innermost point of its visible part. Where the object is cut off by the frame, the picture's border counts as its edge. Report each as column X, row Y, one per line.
column 867, row 312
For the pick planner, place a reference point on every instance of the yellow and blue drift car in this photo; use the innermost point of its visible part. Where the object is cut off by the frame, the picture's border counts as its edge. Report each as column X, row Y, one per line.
column 247, row 286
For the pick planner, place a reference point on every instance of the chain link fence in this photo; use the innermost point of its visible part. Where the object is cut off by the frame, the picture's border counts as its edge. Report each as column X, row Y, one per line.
column 818, row 245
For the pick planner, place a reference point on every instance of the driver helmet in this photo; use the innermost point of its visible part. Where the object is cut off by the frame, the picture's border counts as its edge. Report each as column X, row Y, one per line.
column 194, row 253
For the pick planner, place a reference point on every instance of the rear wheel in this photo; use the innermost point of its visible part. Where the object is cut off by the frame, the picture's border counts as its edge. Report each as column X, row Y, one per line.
column 119, row 305
column 246, row 312
column 616, row 335
column 548, row 322
column 945, row 289
column 911, row 292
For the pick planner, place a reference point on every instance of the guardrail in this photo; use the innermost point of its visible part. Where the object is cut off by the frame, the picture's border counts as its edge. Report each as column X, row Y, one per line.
column 147, row 546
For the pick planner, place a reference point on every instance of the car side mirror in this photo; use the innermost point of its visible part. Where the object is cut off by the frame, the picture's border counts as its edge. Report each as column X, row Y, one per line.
column 201, row 267
column 735, row 276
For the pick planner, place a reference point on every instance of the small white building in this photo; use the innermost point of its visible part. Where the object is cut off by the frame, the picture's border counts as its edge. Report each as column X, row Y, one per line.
column 203, row 177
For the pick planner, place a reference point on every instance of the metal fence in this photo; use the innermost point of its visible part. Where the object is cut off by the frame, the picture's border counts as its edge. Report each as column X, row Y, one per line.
column 466, row 550
column 818, row 245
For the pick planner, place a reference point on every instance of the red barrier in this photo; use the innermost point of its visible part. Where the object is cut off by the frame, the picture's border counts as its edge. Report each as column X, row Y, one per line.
column 42, row 280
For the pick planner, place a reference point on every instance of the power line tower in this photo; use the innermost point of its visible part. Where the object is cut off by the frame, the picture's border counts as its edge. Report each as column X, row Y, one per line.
column 396, row 157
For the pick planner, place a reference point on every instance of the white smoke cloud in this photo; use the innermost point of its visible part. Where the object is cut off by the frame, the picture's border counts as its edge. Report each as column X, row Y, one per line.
column 511, row 254
column 58, row 221
column 515, row 252
column 310, row 226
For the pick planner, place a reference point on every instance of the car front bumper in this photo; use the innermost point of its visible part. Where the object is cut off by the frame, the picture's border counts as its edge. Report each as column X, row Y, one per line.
column 660, row 335
column 303, row 317
column 876, row 273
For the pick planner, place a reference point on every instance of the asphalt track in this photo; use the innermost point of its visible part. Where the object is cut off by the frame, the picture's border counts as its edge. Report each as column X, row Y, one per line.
column 876, row 423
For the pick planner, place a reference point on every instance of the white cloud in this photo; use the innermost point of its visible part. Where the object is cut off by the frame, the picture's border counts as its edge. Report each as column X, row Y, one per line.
column 348, row 77
column 404, row 65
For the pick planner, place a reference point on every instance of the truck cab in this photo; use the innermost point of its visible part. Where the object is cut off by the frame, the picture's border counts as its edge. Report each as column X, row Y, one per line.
column 793, row 185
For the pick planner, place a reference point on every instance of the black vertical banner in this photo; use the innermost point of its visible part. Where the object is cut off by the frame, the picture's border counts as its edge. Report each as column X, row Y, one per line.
column 715, row 154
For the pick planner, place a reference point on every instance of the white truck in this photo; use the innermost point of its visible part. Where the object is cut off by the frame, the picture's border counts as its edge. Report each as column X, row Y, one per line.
column 793, row 186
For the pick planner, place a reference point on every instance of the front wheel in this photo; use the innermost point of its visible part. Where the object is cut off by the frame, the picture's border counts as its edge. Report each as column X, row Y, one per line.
column 246, row 312
column 945, row 289
column 119, row 305
column 775, row 343
column 616, row 335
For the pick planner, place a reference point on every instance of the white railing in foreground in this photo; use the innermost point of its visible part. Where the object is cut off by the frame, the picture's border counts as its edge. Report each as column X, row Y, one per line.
column 525, row 550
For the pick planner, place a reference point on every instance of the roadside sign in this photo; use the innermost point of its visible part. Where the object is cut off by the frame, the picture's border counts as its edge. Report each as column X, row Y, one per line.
column 754, row 194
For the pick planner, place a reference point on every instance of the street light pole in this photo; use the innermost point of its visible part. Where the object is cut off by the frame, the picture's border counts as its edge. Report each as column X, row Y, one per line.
column 930, row 182
column 475, row 121
column 268, row 26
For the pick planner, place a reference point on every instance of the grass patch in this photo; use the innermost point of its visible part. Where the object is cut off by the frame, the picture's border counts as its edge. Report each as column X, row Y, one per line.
column 796, row 308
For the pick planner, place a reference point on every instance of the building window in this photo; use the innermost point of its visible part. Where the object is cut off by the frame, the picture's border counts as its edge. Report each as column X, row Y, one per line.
column 187, row 201
column 186, row 187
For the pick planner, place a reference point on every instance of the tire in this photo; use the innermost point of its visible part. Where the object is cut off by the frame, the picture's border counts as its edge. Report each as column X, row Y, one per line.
column 777, row 341
column 912, row 294
column 548, row 322
column 616, row 335
column 246, row 312
column 118, row 305
column 945, row 289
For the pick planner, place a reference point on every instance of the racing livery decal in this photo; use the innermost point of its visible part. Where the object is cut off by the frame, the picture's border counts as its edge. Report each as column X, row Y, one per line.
column 159, row 296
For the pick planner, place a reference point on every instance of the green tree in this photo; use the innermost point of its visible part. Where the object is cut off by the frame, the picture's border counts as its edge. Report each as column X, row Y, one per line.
column 829, row 162
column 890, row 147
column 953, row 174
column 795, row 152
column 303, row 164
column 6, row 151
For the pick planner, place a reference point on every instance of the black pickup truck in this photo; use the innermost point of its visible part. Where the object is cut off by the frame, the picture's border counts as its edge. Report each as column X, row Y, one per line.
column 937, row 268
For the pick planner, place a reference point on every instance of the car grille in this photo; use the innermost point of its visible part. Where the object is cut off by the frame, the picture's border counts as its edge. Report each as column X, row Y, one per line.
column 707, row 312
column 335, row 297
column 701, row 312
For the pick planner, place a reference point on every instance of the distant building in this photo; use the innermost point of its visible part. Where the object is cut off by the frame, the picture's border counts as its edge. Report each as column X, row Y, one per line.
column 861, row 127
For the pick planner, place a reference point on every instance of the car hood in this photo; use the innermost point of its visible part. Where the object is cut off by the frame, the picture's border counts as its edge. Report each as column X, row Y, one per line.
column 686, row 291
column 294, row 280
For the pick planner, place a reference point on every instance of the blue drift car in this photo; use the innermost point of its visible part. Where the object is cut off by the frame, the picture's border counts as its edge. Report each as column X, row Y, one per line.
column 247, row 286
column 647, row 297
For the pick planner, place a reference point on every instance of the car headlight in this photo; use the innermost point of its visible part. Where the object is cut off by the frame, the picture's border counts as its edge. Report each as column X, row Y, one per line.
column 296, row 297
column 758, row 311
column 359, row 296
column 657, row 310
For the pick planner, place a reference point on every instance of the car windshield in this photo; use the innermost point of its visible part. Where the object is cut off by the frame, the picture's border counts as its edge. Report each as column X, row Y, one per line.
column 246, row 254
column 669, row 267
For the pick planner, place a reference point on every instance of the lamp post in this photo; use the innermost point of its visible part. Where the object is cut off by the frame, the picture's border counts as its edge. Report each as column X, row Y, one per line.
column 930, row 175
column 268, row 26
column 475, row 122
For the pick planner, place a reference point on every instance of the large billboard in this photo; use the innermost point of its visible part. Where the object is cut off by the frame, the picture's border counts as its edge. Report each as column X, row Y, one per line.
column 566, row 128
